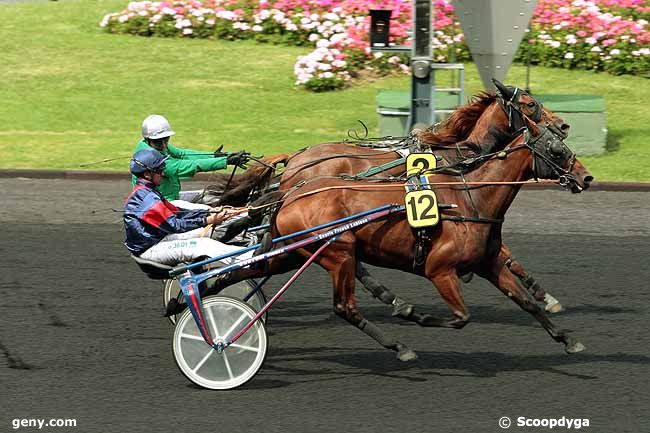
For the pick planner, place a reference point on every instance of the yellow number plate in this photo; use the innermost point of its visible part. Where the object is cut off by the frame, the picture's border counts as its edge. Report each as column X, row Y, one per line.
column 416, row 162
column 422, row 208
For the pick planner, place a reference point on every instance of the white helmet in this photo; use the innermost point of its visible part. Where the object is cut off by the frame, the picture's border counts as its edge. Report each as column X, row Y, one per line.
column 156, row 126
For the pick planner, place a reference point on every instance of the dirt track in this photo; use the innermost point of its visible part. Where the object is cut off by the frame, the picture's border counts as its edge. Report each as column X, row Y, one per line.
column 82, row 336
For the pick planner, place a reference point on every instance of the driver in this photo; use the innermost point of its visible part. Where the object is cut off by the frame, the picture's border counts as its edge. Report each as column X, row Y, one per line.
column 159, row 231
column 182, row 163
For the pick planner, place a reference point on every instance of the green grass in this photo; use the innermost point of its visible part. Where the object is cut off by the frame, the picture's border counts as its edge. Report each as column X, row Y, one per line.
column 72, row 94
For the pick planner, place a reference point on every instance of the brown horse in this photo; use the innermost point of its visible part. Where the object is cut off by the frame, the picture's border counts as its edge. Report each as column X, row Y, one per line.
column 458, row 245
column 472, row 129
column 468, row 131
column 227, row 189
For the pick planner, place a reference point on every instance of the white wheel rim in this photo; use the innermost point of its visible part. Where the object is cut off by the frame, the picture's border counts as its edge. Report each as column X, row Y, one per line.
column 238, row 363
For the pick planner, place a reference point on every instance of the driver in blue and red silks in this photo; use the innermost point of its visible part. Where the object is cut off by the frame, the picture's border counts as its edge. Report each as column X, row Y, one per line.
column 159, row 231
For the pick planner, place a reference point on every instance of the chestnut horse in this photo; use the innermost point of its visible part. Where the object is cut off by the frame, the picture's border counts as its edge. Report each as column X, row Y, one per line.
column 458, row 246
column 472, row 129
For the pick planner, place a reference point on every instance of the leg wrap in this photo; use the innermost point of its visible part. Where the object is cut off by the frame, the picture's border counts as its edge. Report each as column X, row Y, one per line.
column 378, row 290
column 373, row 331
column 533, row 287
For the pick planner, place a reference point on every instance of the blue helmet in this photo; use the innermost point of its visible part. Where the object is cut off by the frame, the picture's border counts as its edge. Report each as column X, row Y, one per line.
column 147, row 160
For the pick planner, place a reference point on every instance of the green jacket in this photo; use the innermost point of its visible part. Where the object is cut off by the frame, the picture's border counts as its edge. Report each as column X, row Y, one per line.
column 182, row 164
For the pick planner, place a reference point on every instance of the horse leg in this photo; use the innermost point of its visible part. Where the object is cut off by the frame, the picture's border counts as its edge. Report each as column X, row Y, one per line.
column 499, row 275
column 529, row 282
column 341, row 267
column 401, row 308
column 448, row 285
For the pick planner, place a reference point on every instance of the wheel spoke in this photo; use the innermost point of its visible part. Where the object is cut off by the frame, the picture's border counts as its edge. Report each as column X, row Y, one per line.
column 241, row 346
column 232, row 328
column 213, row 323
column 225, row 360
column 201, row 362
column 192, row 337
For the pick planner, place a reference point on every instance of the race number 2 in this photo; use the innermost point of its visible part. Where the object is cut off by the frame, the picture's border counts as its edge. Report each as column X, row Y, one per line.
column 417, row 163
column 422, row 208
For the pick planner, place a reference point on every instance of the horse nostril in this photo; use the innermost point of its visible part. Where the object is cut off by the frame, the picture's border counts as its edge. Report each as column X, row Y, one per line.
column 565, row 127
column 588, row 179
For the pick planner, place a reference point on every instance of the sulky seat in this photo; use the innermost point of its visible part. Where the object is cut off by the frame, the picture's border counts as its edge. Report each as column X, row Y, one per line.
column 154, row 270
column 159, row 271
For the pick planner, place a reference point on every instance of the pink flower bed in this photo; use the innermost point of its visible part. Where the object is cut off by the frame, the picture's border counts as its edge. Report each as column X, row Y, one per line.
column 610, row 35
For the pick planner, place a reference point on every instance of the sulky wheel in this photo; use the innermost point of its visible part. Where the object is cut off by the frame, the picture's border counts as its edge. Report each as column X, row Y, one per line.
column 238, row 290
column 238, row 363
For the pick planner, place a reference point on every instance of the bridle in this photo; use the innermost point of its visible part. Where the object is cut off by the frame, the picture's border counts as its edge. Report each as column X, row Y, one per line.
column 550, row 137
column 552, row 145
column 512, row 107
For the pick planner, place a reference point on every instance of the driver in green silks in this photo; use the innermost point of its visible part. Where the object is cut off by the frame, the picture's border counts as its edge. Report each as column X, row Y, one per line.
column 182, row 163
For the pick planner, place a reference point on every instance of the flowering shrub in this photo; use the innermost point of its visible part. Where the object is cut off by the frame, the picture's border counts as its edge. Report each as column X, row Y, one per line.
column 587, row 35
column 609, row 35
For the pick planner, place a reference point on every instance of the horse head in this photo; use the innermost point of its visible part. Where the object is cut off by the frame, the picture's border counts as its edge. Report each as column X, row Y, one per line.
column 518, row 100
column 551, row 157
column 490, row 118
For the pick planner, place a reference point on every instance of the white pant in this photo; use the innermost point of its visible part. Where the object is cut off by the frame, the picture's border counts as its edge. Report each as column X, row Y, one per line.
column 189, row 246
column 182, row 204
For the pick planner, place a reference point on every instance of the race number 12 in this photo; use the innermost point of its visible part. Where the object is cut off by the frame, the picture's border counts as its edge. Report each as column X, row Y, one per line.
column 421, row 208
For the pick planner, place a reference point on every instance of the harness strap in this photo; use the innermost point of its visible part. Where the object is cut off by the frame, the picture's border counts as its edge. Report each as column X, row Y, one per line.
column 384, row 167
column 423, row 244
column 463, row 219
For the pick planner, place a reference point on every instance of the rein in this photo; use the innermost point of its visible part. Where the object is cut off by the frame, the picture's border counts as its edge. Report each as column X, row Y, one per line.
column 391, row 186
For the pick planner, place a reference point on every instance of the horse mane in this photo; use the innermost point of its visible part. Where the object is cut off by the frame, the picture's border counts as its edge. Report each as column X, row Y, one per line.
column 461, row 123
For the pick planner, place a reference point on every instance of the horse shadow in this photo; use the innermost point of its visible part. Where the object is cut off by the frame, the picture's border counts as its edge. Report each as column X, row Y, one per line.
column 319, row 364
column 303, row 315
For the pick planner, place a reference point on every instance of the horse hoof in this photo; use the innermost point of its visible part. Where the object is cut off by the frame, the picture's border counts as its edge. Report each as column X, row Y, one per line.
column 402, row 309
column 554, row 308
column 574, row 347
column 552, row 305
column 407, row 355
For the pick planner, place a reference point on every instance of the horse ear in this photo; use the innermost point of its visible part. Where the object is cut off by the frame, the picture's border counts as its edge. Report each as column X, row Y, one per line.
column 502, row 89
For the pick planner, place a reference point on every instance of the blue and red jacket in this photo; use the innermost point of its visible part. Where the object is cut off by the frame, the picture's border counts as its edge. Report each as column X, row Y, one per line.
column 149, row 217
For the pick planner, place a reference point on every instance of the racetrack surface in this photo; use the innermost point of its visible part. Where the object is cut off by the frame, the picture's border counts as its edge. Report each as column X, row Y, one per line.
column 82, row 336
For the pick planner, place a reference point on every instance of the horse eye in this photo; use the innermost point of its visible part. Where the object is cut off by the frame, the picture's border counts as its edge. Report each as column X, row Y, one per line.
column 531, row 104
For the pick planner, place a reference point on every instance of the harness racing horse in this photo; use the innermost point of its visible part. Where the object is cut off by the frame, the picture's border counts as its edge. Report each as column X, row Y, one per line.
column 471, row 130
column 236, row 190
column 461, row 243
